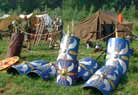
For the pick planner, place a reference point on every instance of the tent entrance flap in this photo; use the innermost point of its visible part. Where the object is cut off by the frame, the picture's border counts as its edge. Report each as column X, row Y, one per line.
column 107, row 29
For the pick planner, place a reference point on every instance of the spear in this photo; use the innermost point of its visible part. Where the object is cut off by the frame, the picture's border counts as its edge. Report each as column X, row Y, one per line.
column 35, row 37
column 68, row 32
column 41, row 31
column 72, row 27
column 66, row 41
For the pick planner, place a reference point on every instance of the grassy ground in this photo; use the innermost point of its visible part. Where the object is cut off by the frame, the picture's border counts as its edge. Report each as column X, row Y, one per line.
column 22, row 85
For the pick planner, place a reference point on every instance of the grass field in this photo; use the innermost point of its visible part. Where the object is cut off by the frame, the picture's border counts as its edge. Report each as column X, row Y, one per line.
column 22, row 85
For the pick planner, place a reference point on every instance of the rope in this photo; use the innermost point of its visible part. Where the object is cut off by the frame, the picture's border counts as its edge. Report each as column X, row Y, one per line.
column 31, row 34
column 107, row 36
column 80, row 54
column 52, row 33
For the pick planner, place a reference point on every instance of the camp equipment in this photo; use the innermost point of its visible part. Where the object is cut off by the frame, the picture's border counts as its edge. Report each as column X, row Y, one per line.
column 101, row 25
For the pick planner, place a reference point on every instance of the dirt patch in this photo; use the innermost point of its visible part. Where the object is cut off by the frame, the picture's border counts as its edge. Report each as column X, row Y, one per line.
column 2, row 90
column 6, row 88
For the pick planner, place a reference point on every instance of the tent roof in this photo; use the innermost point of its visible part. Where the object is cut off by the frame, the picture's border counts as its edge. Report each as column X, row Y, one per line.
column 107, row 16
column 91, row 24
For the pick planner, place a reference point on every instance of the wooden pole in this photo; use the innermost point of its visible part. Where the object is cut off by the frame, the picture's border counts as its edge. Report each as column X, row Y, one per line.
column 72, row 27
column 68, row 32
column 37, row 31
column 41, row 32
column 35, row 36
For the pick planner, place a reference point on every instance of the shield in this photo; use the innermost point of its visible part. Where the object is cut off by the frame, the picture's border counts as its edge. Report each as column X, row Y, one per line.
column 104, row 80
column 118, row 54
column 25, row 68
column 87, row 67
column 67, row 72
column 68, row 48
column 45, row 72
column 8, row 62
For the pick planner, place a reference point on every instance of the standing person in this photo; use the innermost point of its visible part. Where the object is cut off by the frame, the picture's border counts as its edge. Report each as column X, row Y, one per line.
column 120, row 18
column 11, row 28
column 17, row 38
column 120, row 28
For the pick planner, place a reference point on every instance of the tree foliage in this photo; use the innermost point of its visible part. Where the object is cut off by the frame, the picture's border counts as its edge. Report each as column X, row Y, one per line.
column 69, row 9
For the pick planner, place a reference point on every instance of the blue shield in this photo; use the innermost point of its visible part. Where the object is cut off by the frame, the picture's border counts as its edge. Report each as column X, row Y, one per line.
column 69, row 48
column 67, row 72
column 45, row 72
column 22, row 69
column 105, row 80
column 118, row 54
column 87, row 67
